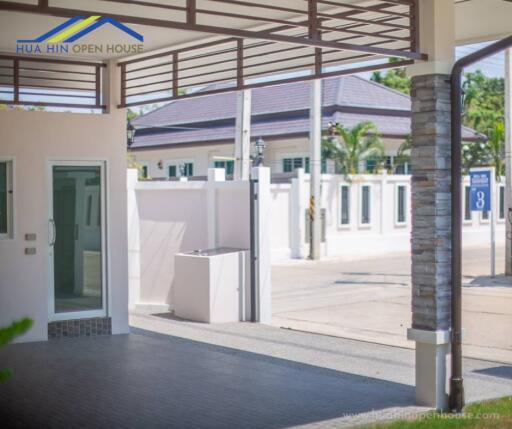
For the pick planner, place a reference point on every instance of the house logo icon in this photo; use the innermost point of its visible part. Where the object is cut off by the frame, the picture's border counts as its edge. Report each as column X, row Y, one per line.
column 69, row 33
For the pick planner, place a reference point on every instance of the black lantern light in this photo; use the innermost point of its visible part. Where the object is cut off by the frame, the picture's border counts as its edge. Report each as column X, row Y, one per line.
column 260, row 147
column 332, row 128
column 130, row 132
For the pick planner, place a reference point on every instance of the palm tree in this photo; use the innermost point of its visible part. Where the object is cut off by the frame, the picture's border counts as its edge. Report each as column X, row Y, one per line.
column 491, row 152
column 496, row 146
column 403, row 155
column 349, row 147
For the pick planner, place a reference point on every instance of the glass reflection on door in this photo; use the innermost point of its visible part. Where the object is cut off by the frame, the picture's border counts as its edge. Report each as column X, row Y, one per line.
column 77, row 238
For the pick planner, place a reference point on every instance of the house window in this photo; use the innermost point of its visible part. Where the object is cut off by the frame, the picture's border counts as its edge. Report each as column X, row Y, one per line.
column 287, row 165
column 292, row 164
column 401, row 209
column 404, row 168
column 188, row 169
column 485, row 215
column 300, row 162
column 229, row 166
column 143, row 172
column 388, row 163
column 177, row 168
column 467, row 203
column 501, row 214
column 365, row 205
column 371, row 165
column 345, row 205
column 6, row 199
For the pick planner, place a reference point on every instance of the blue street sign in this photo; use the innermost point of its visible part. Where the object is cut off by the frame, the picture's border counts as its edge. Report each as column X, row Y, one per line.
column 481, row 190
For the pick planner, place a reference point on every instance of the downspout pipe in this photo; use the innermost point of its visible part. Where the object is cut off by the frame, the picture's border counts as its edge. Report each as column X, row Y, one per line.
column 456, row 380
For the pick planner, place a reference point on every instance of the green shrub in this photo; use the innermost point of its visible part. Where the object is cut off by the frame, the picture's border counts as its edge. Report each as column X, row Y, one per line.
column 7, row 335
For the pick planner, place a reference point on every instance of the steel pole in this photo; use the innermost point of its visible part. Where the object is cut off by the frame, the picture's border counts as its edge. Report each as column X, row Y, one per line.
column 456, row 381
column 254, row 246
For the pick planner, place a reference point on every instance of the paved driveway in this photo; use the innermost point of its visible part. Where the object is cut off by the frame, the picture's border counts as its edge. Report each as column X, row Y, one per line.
column 369, row 300
column 176, row 374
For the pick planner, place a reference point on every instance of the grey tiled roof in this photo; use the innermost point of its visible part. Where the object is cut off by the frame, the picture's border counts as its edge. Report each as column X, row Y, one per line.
column 347, row 100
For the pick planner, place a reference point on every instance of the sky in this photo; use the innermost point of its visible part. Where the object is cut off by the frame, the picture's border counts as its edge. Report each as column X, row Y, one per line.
column 493, row 66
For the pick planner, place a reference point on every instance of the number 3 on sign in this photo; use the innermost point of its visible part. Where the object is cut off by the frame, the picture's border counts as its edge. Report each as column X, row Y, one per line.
column 480, row 200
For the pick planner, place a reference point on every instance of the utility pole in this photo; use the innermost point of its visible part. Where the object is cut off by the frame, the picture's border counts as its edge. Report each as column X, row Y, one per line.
column 243, row 135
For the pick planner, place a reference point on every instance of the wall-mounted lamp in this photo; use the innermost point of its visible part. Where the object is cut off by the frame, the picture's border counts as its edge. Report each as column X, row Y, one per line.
column 260, row 147
column 130, row 132
column 332, row 128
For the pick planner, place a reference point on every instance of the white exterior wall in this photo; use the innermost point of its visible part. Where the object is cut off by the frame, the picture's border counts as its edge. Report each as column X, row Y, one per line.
column 32, row 139
column 203, row 156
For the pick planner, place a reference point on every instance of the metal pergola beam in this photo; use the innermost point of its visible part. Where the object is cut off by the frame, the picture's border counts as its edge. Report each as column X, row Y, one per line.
column 50, row 77
column 191, row 25
column 325, row 75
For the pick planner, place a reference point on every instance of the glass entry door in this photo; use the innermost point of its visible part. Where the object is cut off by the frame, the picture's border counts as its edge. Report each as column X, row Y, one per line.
column 77, row 236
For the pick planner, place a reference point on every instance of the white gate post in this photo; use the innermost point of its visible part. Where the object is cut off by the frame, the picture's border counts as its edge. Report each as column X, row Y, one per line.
column 297, row 217
column 214, row 175
column 133, row 240
column 263, row 234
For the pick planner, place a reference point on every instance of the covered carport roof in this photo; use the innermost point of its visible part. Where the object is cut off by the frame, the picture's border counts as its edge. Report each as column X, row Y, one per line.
column 191, row 44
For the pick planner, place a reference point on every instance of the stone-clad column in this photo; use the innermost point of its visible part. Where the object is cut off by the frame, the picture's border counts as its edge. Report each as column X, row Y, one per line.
column 431, row 233
column 431, row 202
column 431, row 209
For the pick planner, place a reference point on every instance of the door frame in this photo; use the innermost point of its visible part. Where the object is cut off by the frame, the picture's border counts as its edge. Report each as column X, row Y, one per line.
column 103, row 312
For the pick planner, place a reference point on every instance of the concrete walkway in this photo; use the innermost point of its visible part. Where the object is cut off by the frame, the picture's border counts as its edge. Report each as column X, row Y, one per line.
column 183, row 374
column 370, row 299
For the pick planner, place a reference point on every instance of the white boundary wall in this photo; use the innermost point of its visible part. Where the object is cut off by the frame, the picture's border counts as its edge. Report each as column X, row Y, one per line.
column 166, row 218
column 383, row 234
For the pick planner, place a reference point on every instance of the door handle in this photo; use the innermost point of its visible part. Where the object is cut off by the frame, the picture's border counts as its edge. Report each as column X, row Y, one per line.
column 53, row 233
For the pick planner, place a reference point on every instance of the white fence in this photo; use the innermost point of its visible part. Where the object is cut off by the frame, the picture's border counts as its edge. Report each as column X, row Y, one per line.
column 368, row 215
column 166, row 218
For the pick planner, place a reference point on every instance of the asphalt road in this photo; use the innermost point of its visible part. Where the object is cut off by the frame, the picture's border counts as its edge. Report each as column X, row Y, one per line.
column 369, row 300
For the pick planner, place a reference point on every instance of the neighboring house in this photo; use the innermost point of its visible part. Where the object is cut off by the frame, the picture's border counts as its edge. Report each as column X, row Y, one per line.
column 188, row 136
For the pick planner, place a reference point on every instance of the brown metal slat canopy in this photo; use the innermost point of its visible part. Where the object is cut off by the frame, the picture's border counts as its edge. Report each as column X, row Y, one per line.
column 245, row 42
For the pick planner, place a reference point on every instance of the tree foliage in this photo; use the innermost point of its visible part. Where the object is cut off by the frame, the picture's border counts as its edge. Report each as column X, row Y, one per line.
column 7, row 335
column 403, row 155
column 396, row 78
column 483, row 111
column 484, row 102
column 350, row 147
